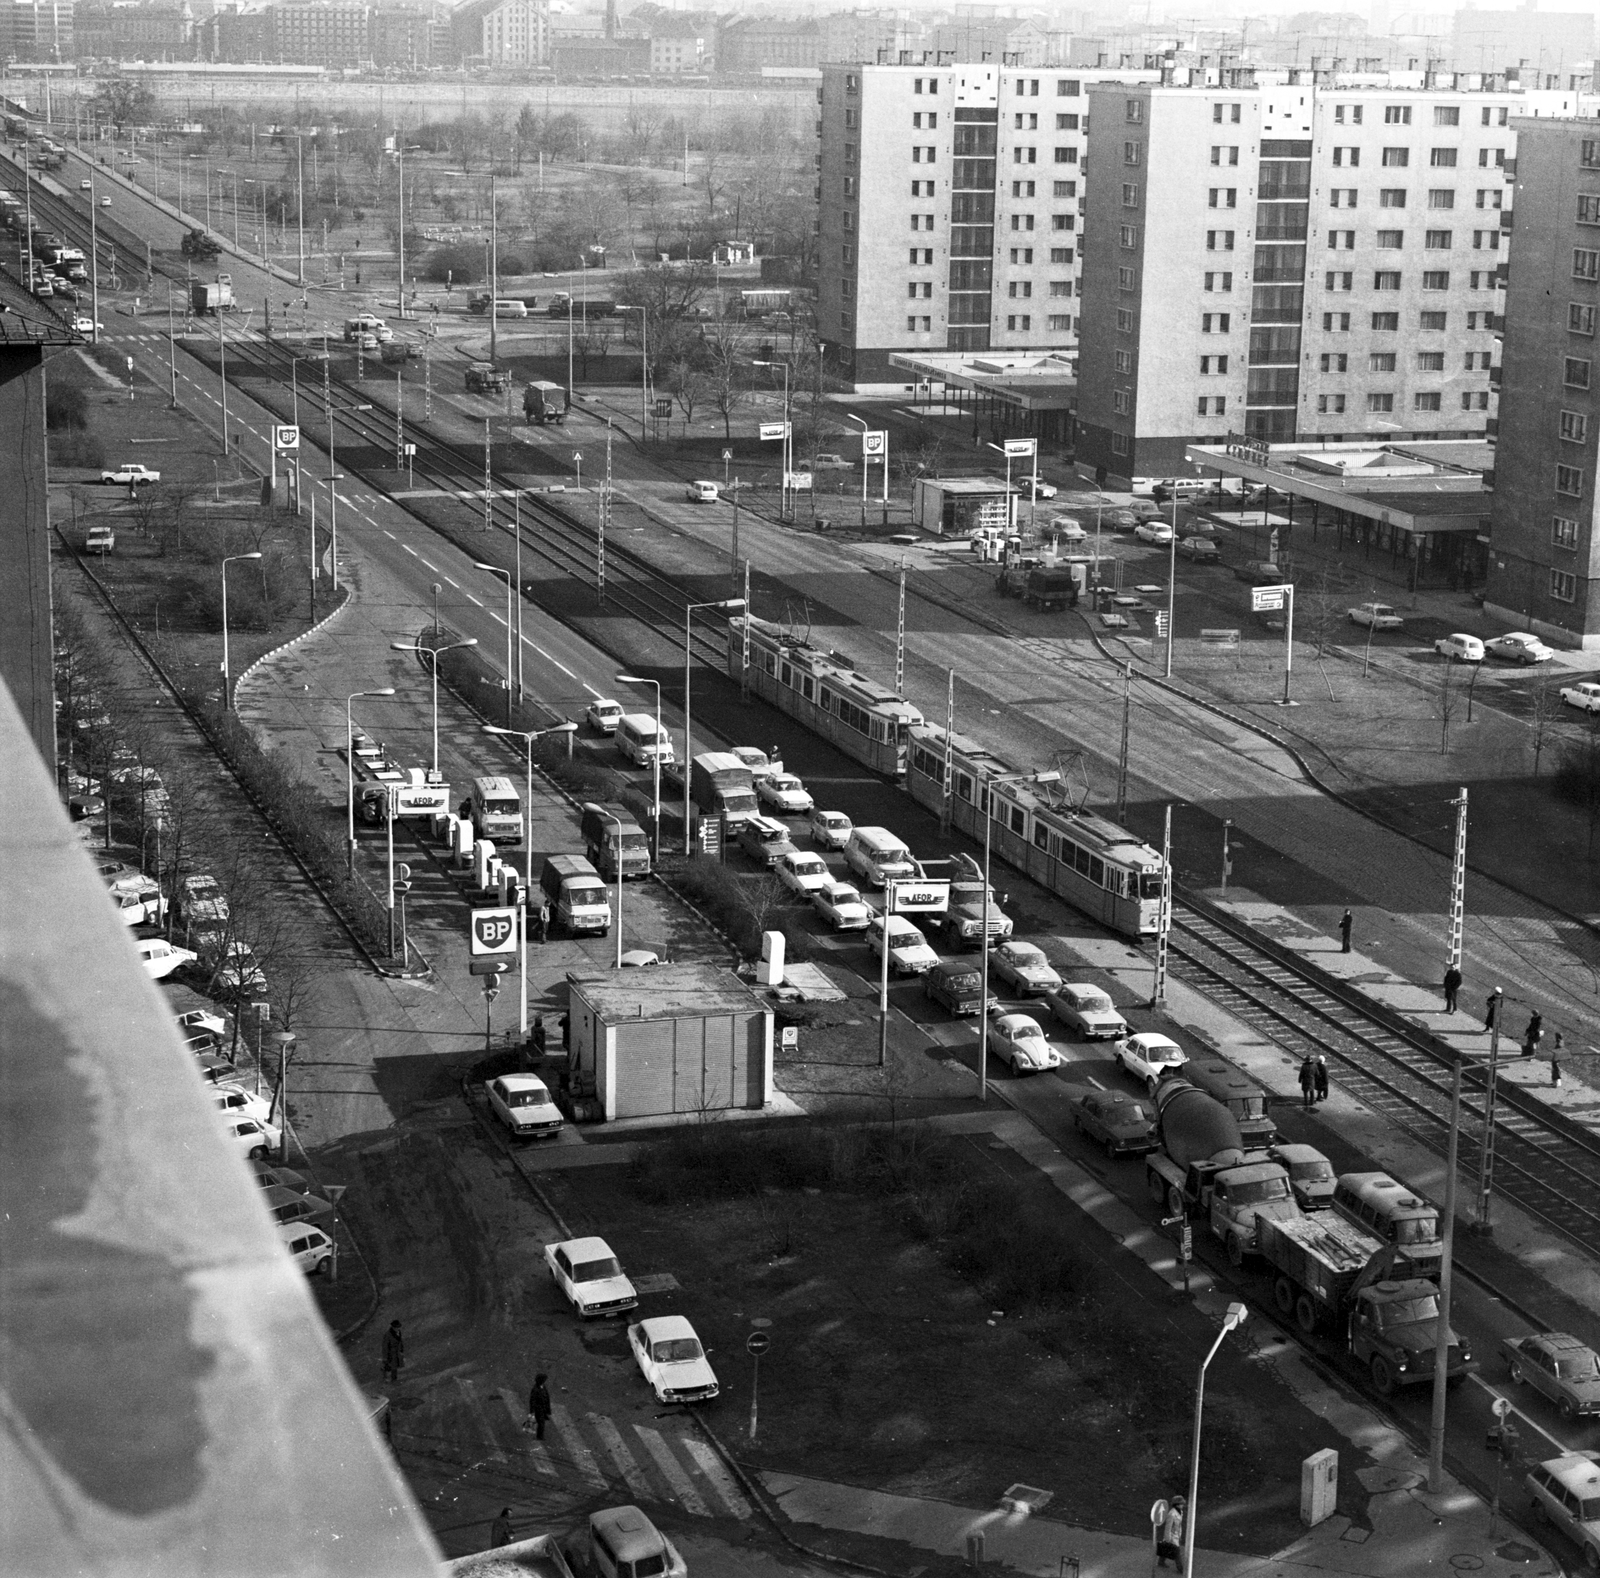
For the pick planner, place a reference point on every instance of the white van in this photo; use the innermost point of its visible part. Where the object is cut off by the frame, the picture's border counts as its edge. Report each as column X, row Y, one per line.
column 640, row 740
column 510, row 308
column 496, row 810
column 875, row 855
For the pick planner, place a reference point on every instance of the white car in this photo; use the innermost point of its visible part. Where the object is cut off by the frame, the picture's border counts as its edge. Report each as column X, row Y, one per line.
column 105, row 202
column 909, row 953
column 803, row 874
column 761, row 763
column 702, row 492
column 1153, row 531
column 671, row 1359
column 603, row 715
column 1519, row 646
column 1040, row 488
column 237, row 1102
column 310, row 1248
column 202, row 1021
column 255, row 1139
column 1147, row 1056
column 1019, row 1041
column 1375, row 616
column 522, row 1102
column 590, row 1277
column 1566, row 1492
column 831, row 462
column 1585, row 697
column 237, row 970
column 160, row 958
column 1024, row 968
column 130, row 473
column 1460, row 648
column 85, row 325
column 785, row 794
column 830, row 829
column 1087, row 1010
column 135, row 907
column 202, row 904
column 840, row 904
column 86, row 185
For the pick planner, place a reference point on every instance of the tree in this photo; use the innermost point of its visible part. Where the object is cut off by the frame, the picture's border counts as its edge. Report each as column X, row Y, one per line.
column 666, row 299
column 1546, row 700
column 124, row 101
column 688, row 385
column 726, row 390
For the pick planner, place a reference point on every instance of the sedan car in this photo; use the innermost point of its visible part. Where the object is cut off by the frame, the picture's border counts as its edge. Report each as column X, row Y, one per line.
column 909, row 953
column 764, row 840
column 1038, row 486
column 1259, row 572
column 830, row 829
column 289, row 1205
column 522, row 1102
column 1019, row 1041
column 590, row 1277
column 671, row 1359
column 1460, row 648
column 105, row 202
column 1585, row 697
column 202, row 905
column 237, row 1102
column 309, row 1247
column 1561, row 1367
column 1201, row 549
column 1125, row 1125
column 803, row 874
column 1068, row 528
column 203, row 1021
column 1147, row 1056
column 1119, row 519
column 253, row 1138
column 1566, row 1492
column 840, row 904
column 83, row 325
column 603, row 715
column 1087, row 1010
column 1153, row 531
column 1375, row 616
column 1519, row 646
column 86, row 185
column 785, row 794
column 830, row 462
column 284, row 1177
column 1024, row 968
column 160, row 958
column 236, row 970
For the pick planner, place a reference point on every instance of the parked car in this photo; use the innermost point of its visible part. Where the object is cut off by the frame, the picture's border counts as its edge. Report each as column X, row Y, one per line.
column 829, row 462
column 1375, row 616
column 236, row 971
column 830, row 829
column 1147, row 1056
column 909, row 953
column 1460, row 648
column 1019, row 1041
column 1125, row 1125
column 202, row 1021
column 1024, row 968
column 284, row 1177
column 1068, row 528
column 1039, row 487
column 85, row 325
column 784, row 793
column 590, row 1277
column 1153, row 531
column 672, row 1360
column 237, row 1102
column 1259, row 572
column 702, row 492
column 1119, row 519
column 522, row 1102
column 603, row 715
column 1584, row 696
column 803, row 874
column 1519, row 646
column 1201, row 549
column 310, row 1248
column 130, row 474
column 1566, row 1492
column 255, row 1139
column 764, row 840
column 202, row 905
column 160, row 958
column 840, row 904
column 289, row 1205
column 1566, row 1370
column 1087, row 1010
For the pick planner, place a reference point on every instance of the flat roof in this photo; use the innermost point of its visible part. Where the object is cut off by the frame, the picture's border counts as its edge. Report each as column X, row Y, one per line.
column 1029, row 380
column 969, row 484
column 666, row 991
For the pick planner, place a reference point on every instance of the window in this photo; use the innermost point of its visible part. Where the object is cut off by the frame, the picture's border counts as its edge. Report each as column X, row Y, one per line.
column 1589, row 154
column 1472, row 319
column 1019, row 287
column 1342, row 197
column 1574, row 426
column 1022, row 221
column 1425, row 400
column 1121, row 401
column 1442, row 158
column 1124, row 321
column 1397, row 115
column 1491, row 157
column 1498, row 116
column 845, row 288
column 1019, row 321
column 1066, row 88
column 1213, row 405
column 1347, row 158
column 847, row 220
column 1214, row 322
column 1585, row 264
column 1575, row 373
column 1119, row 444
column 1446, row 115
column 1335, row 362
column 1475, row 400
column 921, row 256
column 849, row 118
column 1130, row 195
column 1381, row 362
column 1336, row 322
column 1221, row 154
column 1223, row 197
column 1442, row 197
column 1219, row 241
column 1391, row 238
column 1024, row 155
column 1127, row 236
column 1066, row 123
column 1490, row 196
column 1386, row 279
column 1225, row 114
column 1059, row 321
column 1022, row 188
column 1064, row 189
column 1569, row 480
column 1066, row 156
column 1219, row 281
column 1386, row 322
column 1025, row 122
column 918, row 325
column 1433, row 321
column 920, row 189
column 1063, row 221
column 1134, row 111
column 1436, row 279
column 1489, row 239
column 1563, row 586
column 1330, row 404
column 1564, row 532
column 916, row 87
column 1124, row 279
column 1430, row 361
column 1589, row 210
column 1580, row 318
column 1342, row 238
column 1061, row 287
column 1338, row 281
column 1060, row 254
column 847, row 253
column 1394, row 158
column 1213, row 364
column 1438, row 240
column 1132, row 152
column 1377, row 403
column 1354, row 111
column 1477, row 361
column 1022, row 254
column 1392, row 197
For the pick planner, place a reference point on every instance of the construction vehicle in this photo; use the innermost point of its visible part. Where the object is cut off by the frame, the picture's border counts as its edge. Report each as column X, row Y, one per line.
column 200, row 246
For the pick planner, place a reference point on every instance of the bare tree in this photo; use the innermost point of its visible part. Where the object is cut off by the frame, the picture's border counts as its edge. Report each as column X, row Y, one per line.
column 1447, row 707
column 726, row 387
column 1546, row 699
column 688, row 385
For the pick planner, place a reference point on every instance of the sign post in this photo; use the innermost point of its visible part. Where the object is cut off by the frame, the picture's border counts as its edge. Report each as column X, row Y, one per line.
column 1273, row 599
column 756, row 1344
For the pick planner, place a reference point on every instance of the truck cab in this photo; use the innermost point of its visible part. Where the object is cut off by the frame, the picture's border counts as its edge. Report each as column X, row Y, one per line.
column 1238, row 1195
column 1393, row 1331
column 486, row 378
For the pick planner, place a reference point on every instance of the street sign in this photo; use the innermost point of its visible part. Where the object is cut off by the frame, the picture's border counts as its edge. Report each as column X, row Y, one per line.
column 727, row 454
column 1220, row 638
column 494, row 932
column 1016, row 447
column 1161, row 622
column 1266, row 599
column 285, row 437
column 757, row 1344
column 487, row 966
column 663, row 408
column 577, row 457
column 874, row 443
column 709, row 835
column 769, row 430
column 922, row 897
column 799, row 480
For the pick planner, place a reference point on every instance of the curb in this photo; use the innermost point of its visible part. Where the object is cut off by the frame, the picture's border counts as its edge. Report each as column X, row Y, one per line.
column 292, row 642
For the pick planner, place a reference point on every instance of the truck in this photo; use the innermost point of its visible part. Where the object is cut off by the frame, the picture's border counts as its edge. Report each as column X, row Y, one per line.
column 212, row 296
column 1203, row 1169
column 199, row 246
column 421, row 792
column 543, row 401
column 486, row 378
column 1331, row 1275
column 564, row 306
column 539, row 1556
column 963, row 921
column 1053, row 586
column 721, row 785
column 613, row 838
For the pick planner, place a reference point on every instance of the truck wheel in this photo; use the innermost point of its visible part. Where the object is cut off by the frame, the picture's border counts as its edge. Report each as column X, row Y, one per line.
column 1305, row 1314
column 1176, row 1206
column 1235, row 1251
column 1157, row 1186
column 1283, row 1294
column 1382, row 1377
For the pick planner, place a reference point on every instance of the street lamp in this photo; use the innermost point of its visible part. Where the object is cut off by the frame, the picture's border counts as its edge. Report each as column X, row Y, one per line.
column 350, row 769
column 787, row 451
column 227, row 677
column 285, row 1040
column 688, row 748
column 433, row 654
column 1234, row 1318
column 990, row 784
column 494, row 569
column 611, row 816
column 655, row 785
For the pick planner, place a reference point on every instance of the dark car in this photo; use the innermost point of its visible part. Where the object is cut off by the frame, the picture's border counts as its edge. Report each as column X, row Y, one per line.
column 1201, row 549
column 1311, row 1174
column 1260, row 572
column 1125, row 1125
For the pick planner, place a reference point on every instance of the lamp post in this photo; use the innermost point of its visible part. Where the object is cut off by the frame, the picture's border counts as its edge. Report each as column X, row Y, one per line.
column 1234, row 1318
column 866, row 463
column 505, row 575
column 227, row 676
column 350, row 770
column 786, row 451
column 644, row 366
column 611, row 816
column 1050, row 777
column 433, row 654
column 655, row 777
column 688, row 748
column 285, row 1040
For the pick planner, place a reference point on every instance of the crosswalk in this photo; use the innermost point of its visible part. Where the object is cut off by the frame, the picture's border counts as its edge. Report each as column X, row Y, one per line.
column 662, row 1461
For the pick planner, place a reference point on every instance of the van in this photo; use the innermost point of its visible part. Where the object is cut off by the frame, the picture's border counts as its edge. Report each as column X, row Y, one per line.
column 640, row 741
column 496, row 810
column 100, row 539
column 956, row 986
column 875, row 855
column 576, row 895
column 1396, row 1213
column 624, row 1543
column 510, row 308
column 611, row 837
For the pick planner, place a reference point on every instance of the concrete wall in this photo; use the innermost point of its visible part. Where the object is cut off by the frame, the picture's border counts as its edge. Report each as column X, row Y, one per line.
column 25, row 633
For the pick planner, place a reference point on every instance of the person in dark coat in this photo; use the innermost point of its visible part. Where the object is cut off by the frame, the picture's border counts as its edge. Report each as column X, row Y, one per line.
column 538, row 1035
column 539, row 1406
column 1308, row 1081
column 1452, row 985
column 1346, row 922
column 500, row 1531
column 1321, row 1073
column 1533, row 1035
column 394, row 1352
column 1169, row 1535
column 1490, row 1009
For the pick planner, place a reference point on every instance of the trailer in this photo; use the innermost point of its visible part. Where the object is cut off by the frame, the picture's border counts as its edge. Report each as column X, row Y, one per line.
column 213, row 297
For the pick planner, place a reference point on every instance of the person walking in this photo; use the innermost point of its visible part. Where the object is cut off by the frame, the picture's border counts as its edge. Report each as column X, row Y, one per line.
column 538, row 1035
column 1452, row 985
column 1346, row 922
column 544, row 919
column 1308, row 1080
column 1533, row 1035
column 539, row 1406
column 394, row 1352
column 1321, row 1073
column 1169, row 1535
column 500, row 1531
column 1555, row 1062
column 1490, row 1009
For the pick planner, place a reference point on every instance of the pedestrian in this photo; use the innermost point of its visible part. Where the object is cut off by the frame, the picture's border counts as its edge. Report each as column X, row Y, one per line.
column 1308, row 1080
column 539, row 1407
column 1322, row 1078
column 500, row 1531
column 544, row 920
column 565, row 1021
column 1533, row 1035
column 538, row 1035
column 1490, row 1009
column 1452, row 985
column 394, row 1352
column 1555, row 1062
column 1345, row 923
column 1169, row 1535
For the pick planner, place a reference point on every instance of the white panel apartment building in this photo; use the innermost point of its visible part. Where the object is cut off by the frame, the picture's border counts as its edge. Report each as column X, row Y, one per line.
column 1291, row 261
column 950, row 198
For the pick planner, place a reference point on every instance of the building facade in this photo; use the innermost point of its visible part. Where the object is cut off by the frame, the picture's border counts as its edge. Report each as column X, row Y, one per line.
column 320, row 35
column 1289, row 261
column 37, row 30
column 1544, row 548
column 751, row 44
column 502, row 33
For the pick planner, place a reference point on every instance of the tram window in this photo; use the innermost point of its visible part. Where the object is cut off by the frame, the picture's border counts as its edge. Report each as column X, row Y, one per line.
column 807, row 686
column 787, row 675
column 1097, row 870
column 769, row 663
column 1149, row 884
column 963, row 787
column 1041, row 835
column 1019, row 819
column 1080, row 859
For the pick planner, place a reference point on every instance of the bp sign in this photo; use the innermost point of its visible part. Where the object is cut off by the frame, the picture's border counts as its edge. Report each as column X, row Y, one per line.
column 494, row 932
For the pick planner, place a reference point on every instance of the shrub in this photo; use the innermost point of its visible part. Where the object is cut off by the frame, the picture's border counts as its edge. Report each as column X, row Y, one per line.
column 77, row 449
column 461, row 265
column 742, row 909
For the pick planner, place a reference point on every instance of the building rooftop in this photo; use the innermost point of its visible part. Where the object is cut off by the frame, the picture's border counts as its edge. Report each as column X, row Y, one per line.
column 666, row 991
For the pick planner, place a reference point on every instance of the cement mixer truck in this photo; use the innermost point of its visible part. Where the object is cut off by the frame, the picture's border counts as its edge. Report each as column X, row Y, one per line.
column 1203, row 1170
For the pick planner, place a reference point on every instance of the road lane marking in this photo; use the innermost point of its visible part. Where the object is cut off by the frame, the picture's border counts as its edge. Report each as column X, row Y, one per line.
column 672, row 1471
column 581, row 1456
column 710, row 1465
column 621, row 1456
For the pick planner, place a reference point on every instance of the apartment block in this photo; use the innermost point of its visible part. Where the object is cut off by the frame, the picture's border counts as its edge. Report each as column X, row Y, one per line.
column 950, row 199
column 1291, row 260
column 324, row 35
column 1544, row 548
column 502, row 32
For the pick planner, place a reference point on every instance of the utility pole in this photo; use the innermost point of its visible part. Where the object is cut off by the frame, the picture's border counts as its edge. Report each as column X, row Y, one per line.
column 949, row 754
column 222, row 370
column 400, row 157
column 1158, row 993
column 94, row 270
column 1122, row 758
column 899, row 633
column 1172, row 586
column 399, row 420
column 488, row 487
column 744, row 625
column 1458, row 883
column 494, row 271
column 1486, row 1146
column 600, row 534
column 300, row 199
column 172, row 351
column 1441, row 1349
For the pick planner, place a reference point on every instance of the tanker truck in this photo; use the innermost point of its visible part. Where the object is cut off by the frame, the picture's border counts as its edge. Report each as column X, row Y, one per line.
column 1203, row 1170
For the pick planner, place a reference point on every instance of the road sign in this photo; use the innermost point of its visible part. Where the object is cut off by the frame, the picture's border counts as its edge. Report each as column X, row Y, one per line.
column 757, row 1344
column 770, row 430
column 494, row 932
column 488, row 966
column 285, row 437
column 1266, row 599
column 1220, row 638
column 727, row 454
column 874, row 443
column 1161, row 622
column 577, row 457
column 663, row 408
column 799, row 480
column 709, row 835
column 1015, row 447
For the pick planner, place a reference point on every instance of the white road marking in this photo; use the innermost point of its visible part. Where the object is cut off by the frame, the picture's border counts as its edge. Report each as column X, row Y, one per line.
column 620, row 1455
column 711, row 1466
column 533, row 1446
column 581, row 1456
column 469, row 1395
column 672, row 1471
